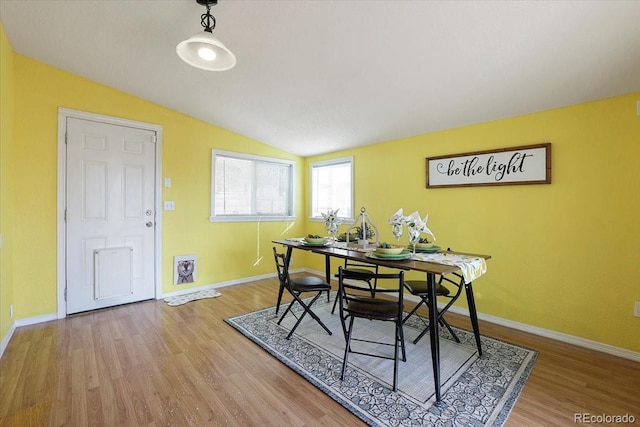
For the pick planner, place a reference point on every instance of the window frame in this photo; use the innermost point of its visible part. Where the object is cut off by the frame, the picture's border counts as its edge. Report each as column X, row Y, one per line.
column 331, row 162
column 252, row 217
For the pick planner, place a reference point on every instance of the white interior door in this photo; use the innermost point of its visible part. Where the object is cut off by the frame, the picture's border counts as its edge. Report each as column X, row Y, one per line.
column 110, row 217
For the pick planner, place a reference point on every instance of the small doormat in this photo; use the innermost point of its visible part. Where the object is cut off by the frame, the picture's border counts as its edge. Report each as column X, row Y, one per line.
column 183, row 299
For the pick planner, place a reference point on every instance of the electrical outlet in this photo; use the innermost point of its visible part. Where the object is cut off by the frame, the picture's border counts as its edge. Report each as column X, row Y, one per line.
column 636, row 309
column 169, row 205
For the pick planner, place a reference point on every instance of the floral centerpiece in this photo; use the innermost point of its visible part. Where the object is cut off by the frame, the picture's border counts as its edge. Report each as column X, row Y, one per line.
column 397, row 224
column 331, row 222
column 415, row 226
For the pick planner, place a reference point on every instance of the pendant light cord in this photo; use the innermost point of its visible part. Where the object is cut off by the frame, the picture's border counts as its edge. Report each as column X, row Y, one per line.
column 207, row 20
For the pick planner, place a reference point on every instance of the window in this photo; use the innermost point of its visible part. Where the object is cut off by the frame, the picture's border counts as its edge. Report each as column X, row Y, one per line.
column 250, row 188
column 331, row 185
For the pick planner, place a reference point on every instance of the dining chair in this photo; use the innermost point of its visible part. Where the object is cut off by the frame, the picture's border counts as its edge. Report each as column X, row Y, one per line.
column 296, row 287
column 420, row 289
column 368, row 272
column 356, row 301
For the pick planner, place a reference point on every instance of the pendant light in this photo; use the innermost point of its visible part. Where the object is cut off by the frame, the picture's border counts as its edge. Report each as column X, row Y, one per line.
column 204, row 50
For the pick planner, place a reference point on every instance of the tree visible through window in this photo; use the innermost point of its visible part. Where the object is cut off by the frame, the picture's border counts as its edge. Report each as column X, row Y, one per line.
column 331, row 185
column 249, row 187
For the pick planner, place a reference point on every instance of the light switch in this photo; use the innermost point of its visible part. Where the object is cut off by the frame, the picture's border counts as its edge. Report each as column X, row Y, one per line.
column 167, row 182
column 169, row 205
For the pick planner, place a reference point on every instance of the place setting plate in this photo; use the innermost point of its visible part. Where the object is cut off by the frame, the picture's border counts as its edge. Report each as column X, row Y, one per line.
column 317, row 243
column 428, row 249
column 405, row 254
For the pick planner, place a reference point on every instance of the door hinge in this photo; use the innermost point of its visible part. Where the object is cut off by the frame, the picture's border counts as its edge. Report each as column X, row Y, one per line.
column 66, row 137
column 154, row 138
column 65, row 291
column 65, row 214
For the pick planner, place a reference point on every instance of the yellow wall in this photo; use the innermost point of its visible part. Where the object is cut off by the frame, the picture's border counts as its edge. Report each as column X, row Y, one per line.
column 566, row 256
column 6, row 188
column 226, row 251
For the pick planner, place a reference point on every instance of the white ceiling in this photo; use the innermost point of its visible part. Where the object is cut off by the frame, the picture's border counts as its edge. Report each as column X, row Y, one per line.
column 319, row 76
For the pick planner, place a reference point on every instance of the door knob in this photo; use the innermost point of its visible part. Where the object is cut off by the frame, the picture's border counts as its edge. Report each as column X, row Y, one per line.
column 149, row 224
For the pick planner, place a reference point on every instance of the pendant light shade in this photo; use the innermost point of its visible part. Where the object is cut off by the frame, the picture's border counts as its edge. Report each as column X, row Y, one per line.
column 204, row 50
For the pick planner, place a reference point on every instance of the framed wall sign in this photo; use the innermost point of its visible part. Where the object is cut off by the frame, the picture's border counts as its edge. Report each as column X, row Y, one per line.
column 528, row 164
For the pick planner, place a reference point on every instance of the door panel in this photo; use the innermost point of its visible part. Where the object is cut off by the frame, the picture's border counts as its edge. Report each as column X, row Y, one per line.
column 110, row 201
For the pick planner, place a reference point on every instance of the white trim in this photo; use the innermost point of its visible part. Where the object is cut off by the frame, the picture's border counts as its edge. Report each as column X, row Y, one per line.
column 554, row 335
column 63, row 114
column 547, row 333
column 36, row 319
column 249, row 218
column 227, row 283
column 5, row 341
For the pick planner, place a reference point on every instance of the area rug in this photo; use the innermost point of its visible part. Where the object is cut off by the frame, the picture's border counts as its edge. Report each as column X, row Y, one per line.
column 183, row 299
column 476, row 391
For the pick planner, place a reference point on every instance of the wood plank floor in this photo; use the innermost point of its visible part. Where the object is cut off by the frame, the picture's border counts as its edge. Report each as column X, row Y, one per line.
column 148, row 364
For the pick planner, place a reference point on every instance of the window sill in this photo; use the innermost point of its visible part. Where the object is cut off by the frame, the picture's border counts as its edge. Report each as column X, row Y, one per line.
column 251, row 218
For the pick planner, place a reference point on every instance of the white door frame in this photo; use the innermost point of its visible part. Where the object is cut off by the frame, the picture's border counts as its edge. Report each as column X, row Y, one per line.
column 63, row 114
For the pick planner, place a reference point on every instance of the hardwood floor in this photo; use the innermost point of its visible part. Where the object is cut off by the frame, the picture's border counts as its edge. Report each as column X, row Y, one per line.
column 148, row 364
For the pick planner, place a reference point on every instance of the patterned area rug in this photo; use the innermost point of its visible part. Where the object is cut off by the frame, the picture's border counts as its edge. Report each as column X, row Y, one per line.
column 183, row 299
column 476, row 391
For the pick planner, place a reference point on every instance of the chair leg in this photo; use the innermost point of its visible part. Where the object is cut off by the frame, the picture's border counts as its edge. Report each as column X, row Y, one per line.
column 346, row 348
column 422, row 301
column 334, row 304
column 401, row 338
column 280, row 292
column 443, row 323
column 446, row 325
column 306, row 309
column 315, row 316
column 395, row 355
column 286, row 311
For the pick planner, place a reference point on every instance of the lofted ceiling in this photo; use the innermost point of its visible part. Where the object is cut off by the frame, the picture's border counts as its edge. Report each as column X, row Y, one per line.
column 319, row 76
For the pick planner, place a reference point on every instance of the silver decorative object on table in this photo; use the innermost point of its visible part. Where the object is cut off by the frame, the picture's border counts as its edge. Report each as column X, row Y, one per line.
column 365, row 231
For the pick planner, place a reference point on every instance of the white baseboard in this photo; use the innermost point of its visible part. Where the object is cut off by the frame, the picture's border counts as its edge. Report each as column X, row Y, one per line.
column 5, row 341
column 554, row 335
column 547, row 333
column 24, row 322
column 49, row 317
column 225, row 284
column 558, row 336
column 36, row 319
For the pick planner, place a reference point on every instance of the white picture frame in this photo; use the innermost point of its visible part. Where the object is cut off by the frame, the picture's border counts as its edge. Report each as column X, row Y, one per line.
column 185, row 269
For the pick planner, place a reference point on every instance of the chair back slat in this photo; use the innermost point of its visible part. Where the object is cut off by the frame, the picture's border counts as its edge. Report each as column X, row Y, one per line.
column 281, row 268
column 352, row 287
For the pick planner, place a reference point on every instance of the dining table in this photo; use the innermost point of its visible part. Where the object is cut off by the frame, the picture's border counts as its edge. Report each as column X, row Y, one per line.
column 358, row 253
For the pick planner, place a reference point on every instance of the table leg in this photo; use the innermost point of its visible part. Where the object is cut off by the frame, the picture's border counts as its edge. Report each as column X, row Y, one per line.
column 327, row 273
column 433, row 333
column 473, row 315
